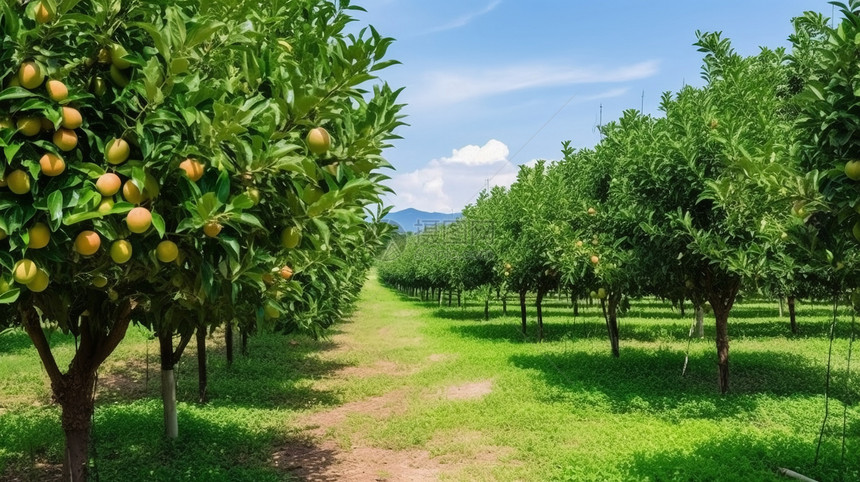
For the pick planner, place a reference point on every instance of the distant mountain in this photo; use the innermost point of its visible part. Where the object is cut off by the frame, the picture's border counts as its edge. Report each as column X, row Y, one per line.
column 413, row 220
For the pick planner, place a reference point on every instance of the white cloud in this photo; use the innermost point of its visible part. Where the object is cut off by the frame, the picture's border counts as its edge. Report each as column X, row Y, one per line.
column 492, row 152
column 465, row 19
column 447, row 184
column 450, row 87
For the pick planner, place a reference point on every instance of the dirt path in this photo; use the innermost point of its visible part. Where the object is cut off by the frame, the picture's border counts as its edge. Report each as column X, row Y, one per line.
column 333, row 446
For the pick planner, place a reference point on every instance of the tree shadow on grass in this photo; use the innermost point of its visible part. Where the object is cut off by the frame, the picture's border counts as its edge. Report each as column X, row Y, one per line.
column 16, row 341
column 277, row 373
column 744, row 456
column 650, row 380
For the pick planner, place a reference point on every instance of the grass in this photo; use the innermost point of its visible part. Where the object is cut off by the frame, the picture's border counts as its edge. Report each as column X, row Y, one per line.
column 558, row 410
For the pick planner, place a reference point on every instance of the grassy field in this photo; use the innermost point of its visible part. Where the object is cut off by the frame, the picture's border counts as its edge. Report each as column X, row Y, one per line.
column 410, row 391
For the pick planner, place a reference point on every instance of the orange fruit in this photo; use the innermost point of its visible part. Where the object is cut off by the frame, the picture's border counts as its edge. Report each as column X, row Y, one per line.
column 131, row 193
column 72, row 118
column 117, row 151
column 39, row 235
column 319, row 141
column 30, row 75
column 40, row 282
column 167, row 251
column 3, row 234
column 57, row 90
column 99, row 281
column 286, row 272
column 25, row 271
column 108, row 184
column 595, row 259
column 138, row 220
column 193, row 169
column 212, row 229
column 19, row 181
column 52, row 165
column 65, row 139
column 120, row 251
column 88, row 243
column 29, row 126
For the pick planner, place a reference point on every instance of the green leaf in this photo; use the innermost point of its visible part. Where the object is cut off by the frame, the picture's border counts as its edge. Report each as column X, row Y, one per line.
column 10, row 296
column 222, row 187
column 158, row 224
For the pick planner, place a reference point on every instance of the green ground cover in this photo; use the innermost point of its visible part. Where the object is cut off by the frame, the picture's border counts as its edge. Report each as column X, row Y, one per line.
column 478, row 398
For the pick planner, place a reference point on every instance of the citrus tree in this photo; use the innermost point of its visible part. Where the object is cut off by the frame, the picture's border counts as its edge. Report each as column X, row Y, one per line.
column 183, row 156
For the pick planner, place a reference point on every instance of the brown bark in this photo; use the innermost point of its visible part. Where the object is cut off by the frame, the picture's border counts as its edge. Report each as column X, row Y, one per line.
column 722, row 291
column 523, row 310
column 539, row 305
column 228, row 341
column 243, row 332
column 611, row 315
column 486, row 310
column 74, row 390
column 505, row 304
column 792, row 315
column 202, row 375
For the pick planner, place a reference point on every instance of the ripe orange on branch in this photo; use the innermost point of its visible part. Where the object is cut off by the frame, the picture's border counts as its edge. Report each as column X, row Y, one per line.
column 88, row 243
column 57, row 90
column 212, row 229
column 117, row 151
column 65, row 139
column 52, row 165
column 108, row 184
column 29, row 126
column 72, row 118
column 120, row 251
column 40, row 282
column 286, row 272
column 138, row 220
column 193, row 169
column 18, row 181
column 39, row 236
column 167, row 251
column 319, row 140
column 30, row 75
column 25, row 271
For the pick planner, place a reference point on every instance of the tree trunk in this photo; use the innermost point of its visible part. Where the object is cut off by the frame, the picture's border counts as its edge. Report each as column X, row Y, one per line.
column 792, row 315
column 683, row 311
column 228, row 341
column 74, row 390
column 700, row 321
column 539, row 306
column 458, row 298
column 75, row 396
column 780, row 307
column 611, row 315
column 505, row 304
column 169, row 359
column 722, row 293
column 486, row 310
column 523, row 309
column 168, row 386
column 722, row 317
column 449, row 298
column 575, row 307
column 244, row 334
column 202, row 379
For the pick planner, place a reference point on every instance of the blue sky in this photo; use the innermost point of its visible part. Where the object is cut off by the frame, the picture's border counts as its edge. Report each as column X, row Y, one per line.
column 492, row 84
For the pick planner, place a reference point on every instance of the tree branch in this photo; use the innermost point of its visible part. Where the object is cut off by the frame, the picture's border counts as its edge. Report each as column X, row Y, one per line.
column 30, row 321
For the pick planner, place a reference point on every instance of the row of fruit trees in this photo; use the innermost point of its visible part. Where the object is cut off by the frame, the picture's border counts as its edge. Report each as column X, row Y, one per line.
column 751, row 182
column 184, row 165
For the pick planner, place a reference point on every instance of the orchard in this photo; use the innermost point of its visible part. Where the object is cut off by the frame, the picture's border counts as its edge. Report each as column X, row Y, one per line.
column 153, row 154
